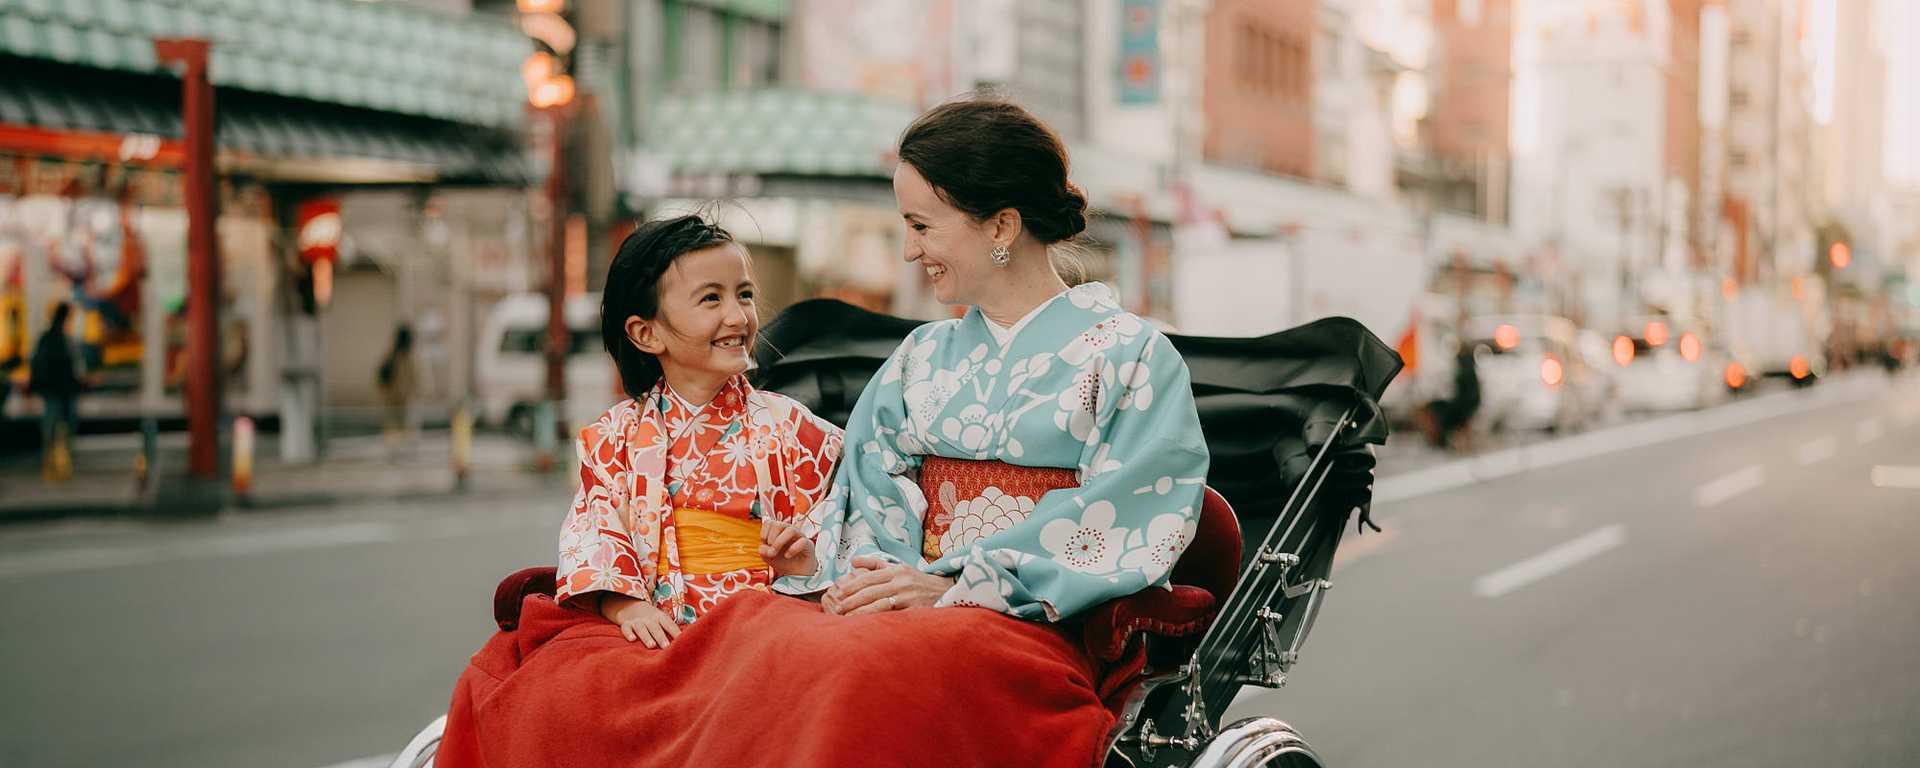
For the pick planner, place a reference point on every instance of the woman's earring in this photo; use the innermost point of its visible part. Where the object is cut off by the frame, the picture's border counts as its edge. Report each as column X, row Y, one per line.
column 1001, row 255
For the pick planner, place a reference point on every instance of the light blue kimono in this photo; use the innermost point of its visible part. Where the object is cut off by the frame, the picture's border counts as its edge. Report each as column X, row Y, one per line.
column 1081, row 384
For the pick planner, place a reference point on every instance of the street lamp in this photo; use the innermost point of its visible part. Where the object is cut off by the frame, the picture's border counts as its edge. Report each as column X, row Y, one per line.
column 553, row 93
column 550, row 89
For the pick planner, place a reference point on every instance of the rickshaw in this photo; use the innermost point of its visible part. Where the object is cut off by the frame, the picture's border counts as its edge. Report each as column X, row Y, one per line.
column 1290, row 419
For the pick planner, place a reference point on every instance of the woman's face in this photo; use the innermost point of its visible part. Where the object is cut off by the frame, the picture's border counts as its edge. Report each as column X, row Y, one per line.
column 706, row 325
column 952, row 247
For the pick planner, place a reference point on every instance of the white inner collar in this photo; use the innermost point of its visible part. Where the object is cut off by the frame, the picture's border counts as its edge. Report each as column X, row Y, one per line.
column 1003, row 334
column 684, row 402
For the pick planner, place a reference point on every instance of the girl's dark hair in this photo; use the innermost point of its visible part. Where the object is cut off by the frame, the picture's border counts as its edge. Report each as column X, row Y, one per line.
column 984, row 155
column 633, row 289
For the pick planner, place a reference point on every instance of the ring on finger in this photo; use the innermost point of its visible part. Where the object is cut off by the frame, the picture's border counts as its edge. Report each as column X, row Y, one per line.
column 893, row 603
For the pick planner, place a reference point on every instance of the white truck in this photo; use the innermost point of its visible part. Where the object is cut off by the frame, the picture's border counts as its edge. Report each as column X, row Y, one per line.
column 1778, row 330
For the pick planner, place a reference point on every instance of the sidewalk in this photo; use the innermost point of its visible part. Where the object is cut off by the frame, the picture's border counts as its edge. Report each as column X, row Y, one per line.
column 354, row 470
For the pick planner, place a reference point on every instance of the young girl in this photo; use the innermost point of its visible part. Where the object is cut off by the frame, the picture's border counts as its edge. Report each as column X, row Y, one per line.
column 686, row 487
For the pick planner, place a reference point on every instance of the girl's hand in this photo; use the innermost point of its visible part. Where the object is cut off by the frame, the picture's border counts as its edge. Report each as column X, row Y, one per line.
column 877, row 585
column 640, row 620
column 786, row 549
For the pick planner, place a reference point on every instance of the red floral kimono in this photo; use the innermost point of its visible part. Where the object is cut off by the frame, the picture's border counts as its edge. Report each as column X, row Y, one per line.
column 660, row 479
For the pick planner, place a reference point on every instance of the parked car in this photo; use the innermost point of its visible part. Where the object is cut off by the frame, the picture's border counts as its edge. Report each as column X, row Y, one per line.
column 511, row 367
column 1662, row 365
column 1534, row 374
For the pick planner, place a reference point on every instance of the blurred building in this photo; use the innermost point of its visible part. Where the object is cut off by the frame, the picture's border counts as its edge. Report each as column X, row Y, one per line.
column 1853, row 140
column 1607, row 147
column 1214, row 138
column 1471, row 71
column 1259, row 85
column 389, row 115
column 1769, row 141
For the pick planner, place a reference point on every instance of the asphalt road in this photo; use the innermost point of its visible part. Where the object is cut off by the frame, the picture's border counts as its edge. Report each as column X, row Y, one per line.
column 1725, row 588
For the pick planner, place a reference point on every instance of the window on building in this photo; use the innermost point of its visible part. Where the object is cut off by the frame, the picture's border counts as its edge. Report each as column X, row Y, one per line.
column 1272, row 64
column 1738, row 98
column 1737, row 158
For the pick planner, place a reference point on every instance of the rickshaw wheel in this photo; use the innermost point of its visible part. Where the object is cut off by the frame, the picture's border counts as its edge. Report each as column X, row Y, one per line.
column 419, row 752
column 1257, row 742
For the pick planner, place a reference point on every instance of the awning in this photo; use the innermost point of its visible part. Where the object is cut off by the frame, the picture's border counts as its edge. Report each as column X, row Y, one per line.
column 261, row 135
column 391, row 57
column 775, row 131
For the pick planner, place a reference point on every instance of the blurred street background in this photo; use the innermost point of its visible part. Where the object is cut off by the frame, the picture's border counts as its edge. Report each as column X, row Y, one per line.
column 331, row 270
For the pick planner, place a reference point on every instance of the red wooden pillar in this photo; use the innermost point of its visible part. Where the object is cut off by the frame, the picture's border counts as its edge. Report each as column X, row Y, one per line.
column 203, row 257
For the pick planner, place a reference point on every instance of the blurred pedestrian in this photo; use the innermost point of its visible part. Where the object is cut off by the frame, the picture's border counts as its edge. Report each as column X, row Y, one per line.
column 54, row 375
column 398, row 378
column 1446, row 421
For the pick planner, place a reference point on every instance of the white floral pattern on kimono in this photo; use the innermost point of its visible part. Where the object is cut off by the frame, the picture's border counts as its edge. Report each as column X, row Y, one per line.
column 1085, row 386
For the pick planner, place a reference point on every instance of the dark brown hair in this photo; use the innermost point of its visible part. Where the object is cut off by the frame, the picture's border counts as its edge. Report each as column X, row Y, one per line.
column 985, row 155
column 633, row 289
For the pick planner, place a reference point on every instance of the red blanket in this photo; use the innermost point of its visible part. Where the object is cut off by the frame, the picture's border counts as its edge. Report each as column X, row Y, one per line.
column 764, row 680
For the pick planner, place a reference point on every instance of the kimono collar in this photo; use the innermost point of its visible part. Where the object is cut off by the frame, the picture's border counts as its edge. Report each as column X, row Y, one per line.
column 647, row 445
column 1004, row 335
column 728, row 402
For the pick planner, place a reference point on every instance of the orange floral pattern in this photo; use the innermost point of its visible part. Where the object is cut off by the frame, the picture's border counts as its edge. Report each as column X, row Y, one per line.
column 747, row 453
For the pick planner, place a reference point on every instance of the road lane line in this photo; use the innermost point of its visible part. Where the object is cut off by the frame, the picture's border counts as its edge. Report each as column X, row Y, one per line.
column 47, row 562
column 1818, row 451
column 56, row 561
column 1728, row 486
column 1867, row 431
column 1550, row 562
column 1896, row 477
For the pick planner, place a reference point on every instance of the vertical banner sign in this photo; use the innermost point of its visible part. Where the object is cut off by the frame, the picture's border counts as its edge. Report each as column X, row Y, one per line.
column 1139, row 52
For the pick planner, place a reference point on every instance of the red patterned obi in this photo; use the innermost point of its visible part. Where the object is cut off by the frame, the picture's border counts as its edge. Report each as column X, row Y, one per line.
column 970, row 500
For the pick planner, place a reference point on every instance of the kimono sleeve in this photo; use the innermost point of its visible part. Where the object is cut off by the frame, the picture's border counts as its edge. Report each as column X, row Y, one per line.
column 875, row 502
column 1143, row 468
column 597, row 551
column 809, row 457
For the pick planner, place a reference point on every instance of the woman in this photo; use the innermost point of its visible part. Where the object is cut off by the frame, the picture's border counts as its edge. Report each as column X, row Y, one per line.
column 1036, row 374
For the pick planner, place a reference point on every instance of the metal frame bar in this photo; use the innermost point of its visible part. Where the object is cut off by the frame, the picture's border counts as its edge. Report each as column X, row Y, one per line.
column 1241, row 624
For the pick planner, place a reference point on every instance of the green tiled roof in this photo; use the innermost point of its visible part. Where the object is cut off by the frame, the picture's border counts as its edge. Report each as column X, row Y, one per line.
column 776, row 131
column 78, row 98
column 382, row 56
column 772, row 10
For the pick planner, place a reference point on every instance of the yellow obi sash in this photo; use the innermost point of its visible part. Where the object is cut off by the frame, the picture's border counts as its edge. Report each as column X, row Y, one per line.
column 713, row 542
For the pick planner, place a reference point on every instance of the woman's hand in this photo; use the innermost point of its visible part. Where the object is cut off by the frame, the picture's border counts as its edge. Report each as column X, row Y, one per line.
column 640, row 620
column 786, row 549
column 876, row 585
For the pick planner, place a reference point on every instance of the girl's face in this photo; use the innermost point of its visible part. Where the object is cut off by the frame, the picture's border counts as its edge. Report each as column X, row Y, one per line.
column 949, row 244
column 706, row 325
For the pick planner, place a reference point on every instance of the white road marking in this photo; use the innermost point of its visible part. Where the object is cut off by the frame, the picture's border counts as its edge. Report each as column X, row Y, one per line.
column 1896, row 477
column 1818, row 451
column 1550, row 562
column 1525, row 458
column 1867, row 431
column 377, row 761
column 241, row 544
column 1728, row 486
